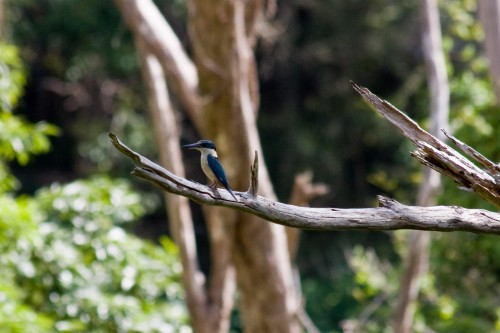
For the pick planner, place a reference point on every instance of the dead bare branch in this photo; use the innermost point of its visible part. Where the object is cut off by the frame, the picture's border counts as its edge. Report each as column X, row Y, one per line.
column 389, row 215
column 437, row 155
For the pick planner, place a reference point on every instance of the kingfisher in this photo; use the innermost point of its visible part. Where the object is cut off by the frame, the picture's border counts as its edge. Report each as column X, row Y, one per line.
column 210, row 164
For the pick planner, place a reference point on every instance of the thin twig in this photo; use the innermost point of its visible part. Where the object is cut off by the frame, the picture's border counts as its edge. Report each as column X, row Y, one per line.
column 477, row 156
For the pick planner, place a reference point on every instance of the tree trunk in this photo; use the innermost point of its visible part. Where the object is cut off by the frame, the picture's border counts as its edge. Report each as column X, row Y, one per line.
column 223, row 34
column 489, row 15
column 220, row 94
column 417, row 260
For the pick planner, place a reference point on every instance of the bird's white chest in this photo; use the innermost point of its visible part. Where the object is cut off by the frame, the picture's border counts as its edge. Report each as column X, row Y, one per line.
column 206, row 168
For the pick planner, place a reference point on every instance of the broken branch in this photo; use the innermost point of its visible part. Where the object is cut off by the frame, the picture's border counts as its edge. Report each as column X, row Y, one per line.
column 437, row 155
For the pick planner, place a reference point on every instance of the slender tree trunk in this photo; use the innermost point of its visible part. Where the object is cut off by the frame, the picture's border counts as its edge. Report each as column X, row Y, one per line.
column 416, row 263
column 206, row 316
column 489, row 15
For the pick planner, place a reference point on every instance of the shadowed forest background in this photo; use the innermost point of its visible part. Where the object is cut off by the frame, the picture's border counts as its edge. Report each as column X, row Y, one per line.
column 85, row 247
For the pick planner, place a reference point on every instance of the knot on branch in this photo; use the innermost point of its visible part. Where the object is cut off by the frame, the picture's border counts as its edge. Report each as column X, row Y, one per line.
column 384, row 202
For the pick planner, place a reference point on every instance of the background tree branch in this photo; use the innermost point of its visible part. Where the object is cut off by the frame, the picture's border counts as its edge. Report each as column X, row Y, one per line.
column 154, row 31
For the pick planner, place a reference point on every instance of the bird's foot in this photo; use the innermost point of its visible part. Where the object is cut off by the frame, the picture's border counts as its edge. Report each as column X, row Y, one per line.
column 213, row 187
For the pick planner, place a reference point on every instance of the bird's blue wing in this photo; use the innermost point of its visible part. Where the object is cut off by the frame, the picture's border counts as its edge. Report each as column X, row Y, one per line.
column 217, row 169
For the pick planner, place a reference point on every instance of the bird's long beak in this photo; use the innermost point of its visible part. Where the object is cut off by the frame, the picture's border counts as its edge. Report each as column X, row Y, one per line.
column 192, row 145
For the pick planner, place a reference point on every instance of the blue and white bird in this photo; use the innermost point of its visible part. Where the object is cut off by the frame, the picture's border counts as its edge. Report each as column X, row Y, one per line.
column 210, row 164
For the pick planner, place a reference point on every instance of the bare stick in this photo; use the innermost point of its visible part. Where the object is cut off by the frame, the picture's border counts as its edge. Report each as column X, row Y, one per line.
column 254, row 176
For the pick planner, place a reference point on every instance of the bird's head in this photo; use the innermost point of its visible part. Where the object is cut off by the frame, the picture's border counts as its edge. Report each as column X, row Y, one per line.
column 203, row 146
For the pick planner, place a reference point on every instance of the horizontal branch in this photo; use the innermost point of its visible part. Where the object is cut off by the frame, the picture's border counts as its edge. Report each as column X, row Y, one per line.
column 389, row 215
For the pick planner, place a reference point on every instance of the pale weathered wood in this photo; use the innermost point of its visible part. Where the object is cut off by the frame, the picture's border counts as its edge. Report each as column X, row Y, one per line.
column 492, row 168
column 437, row 155
column 389, row 216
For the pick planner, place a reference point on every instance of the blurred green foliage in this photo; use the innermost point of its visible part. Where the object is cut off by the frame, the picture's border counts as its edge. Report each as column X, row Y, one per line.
column 19, row 139
column 13, row 76
column 103, row 281
column 71, row 267
column 67, row 263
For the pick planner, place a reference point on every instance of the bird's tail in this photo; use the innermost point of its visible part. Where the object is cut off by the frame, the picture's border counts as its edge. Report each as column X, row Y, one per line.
column 231, row 192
